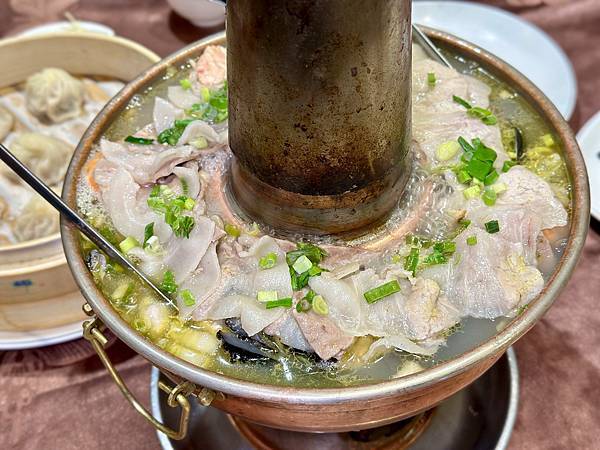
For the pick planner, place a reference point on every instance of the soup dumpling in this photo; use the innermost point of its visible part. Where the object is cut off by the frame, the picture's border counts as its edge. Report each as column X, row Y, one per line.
column 6, row 122
column 36, row 220
column 54, row 95
column 45, row 156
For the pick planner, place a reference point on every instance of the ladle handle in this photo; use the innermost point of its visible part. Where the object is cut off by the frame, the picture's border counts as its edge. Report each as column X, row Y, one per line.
column 57, row 203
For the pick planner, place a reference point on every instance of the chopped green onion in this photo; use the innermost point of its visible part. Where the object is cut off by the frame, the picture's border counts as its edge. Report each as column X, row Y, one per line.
column 472, row 192
column 148, row 233
column 139, row 140
column 463, row 177
column 461, row 101
column 168, row 285
column 319, row 305
column 188, row 298
column 435, row 258
column 268, row 261
column 305, row 304
column 492, row 226
column 479, row 169
column 171, row 135
column 445, row 247
column 302, row 264
column 412, row 261
column 232, row 230
column 466, row 157
column 489, row 197
column 507, row 165
column 485, row 115
column 465, row 145
column 282, row 302
column 185, row 84
column 184, row 186
column 266, row 296
column 385, row 290
column 205, row 93
column 447, row 150
column 417, row 241
column 311, row 251
column 472, row 240
column 491, row 177
column 431, row 79
column 199, row 143
column 483, row 153
column 499, row 188
column 128, row 243
column 189, row 203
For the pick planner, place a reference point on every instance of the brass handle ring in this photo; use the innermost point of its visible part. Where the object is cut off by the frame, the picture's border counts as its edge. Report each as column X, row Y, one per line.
column 177, row 395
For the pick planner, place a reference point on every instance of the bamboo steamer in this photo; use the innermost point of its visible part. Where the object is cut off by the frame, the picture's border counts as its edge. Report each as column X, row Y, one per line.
column 37, row 290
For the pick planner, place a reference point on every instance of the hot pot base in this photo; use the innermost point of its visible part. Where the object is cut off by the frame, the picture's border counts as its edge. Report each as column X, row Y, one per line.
column 481, row 416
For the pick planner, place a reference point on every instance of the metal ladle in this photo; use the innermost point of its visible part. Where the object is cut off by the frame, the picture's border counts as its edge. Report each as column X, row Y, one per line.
column 90, row 232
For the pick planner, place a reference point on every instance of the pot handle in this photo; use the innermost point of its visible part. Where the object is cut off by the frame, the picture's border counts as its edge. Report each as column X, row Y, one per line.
column 177, row 395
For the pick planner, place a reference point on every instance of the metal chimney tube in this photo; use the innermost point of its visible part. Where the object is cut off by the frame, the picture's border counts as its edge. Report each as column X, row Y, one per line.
column 319, row 110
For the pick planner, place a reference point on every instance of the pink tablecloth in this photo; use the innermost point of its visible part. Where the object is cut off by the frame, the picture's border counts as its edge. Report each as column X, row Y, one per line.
column 47, row 405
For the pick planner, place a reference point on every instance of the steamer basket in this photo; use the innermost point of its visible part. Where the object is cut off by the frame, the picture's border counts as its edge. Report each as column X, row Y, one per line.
column 36, row 286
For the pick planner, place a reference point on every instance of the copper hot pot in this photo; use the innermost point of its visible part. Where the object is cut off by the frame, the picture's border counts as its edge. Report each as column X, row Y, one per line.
column 323, row 410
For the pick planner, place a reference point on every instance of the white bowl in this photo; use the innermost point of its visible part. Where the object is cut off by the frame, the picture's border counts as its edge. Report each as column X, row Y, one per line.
column 589, row 141
column 202, row 13
column 521, row 44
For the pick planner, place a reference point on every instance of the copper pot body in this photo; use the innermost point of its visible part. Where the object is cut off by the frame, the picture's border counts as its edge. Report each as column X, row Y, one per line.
column 342, row 409
column 319, row 110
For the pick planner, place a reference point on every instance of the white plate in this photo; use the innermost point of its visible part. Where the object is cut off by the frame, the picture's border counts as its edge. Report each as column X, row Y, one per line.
column 60, row 27
column 521, row 44
column 589, row 141
column 19, row 340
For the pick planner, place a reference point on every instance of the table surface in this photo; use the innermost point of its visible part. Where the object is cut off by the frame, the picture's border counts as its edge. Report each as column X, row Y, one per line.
column 55, row 398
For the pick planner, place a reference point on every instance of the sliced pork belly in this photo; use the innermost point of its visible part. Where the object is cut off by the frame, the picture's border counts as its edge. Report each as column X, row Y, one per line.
column 202, row 282
column 126, row 204
column 528, row 192
column 164, row 114
column 146, row 163
column 323, row 335
column 239, row 293
column 182, row 98
column 198, row 129
column 287, row 328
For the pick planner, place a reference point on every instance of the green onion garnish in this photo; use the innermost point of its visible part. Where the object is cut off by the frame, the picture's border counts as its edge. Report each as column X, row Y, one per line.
column 465, row 145
column 232, row 230
column 485, row 115
column 507, row 165
column 139, row 140
column 314, row 254
column 266, row 296
column 491, row 177
column 435, row 258
column 412, row 261
column 479, row 169
column 385, row 290
column 305, row 304
column 148, row 232
column 445, row 247
column 188, row 298
column 163, row 200
column 285, row 302
column 168, row 285
column 463, row 177
column 472, row 192
column 483, row 153
column 185, row 84
column 431, row 79
column 268, row 261
column 461, row 101
column 302, row 264
column 472, row 240
column 492, row 226
column 320, row 306
column 489, row 197
column 128, row 243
